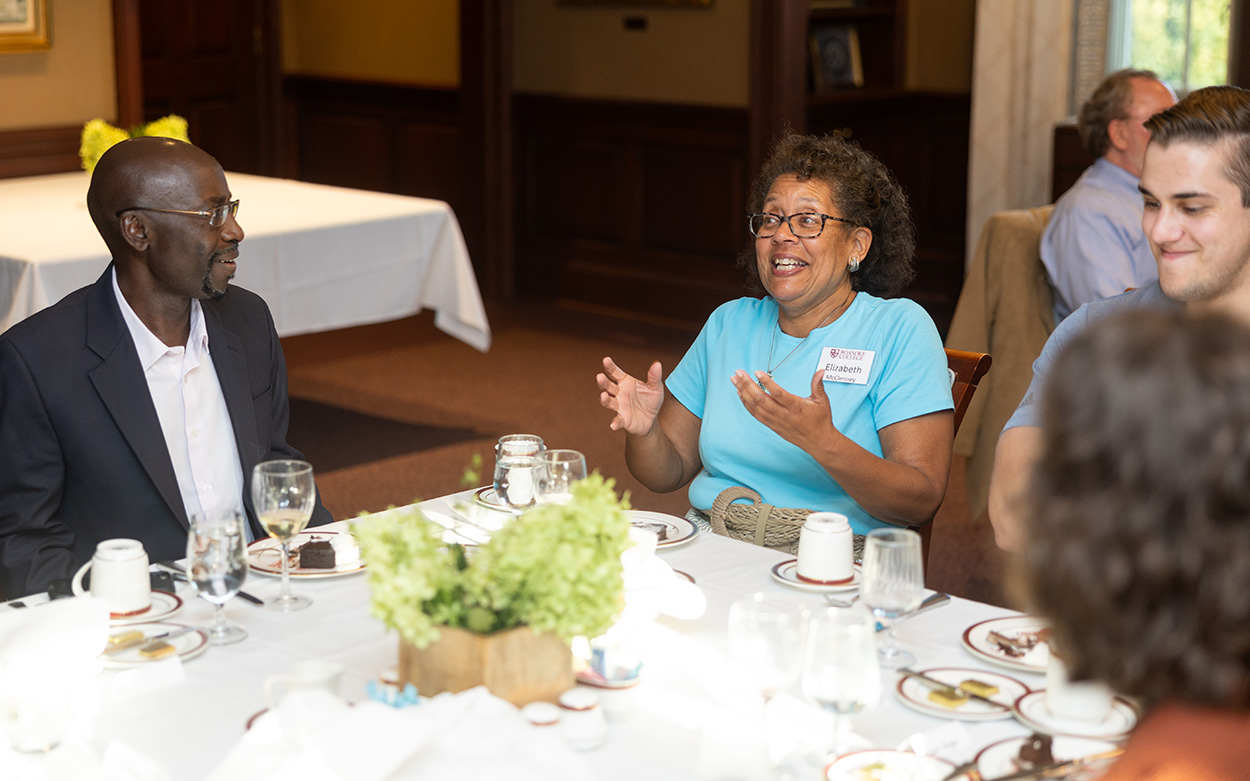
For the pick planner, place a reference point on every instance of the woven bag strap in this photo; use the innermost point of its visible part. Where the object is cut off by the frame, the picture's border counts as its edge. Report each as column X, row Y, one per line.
column 720, row 509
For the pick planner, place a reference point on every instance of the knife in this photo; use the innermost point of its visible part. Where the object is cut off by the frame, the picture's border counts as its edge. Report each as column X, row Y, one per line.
column 138, row 641
column 930, row 602
column 934, row 683
column 1056, row 769
column 180, row 573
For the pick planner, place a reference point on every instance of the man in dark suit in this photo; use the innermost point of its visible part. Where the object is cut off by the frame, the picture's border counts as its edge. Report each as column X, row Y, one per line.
column 148, row 396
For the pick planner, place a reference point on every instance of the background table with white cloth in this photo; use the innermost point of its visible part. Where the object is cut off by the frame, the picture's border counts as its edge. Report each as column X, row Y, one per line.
column 321, row 257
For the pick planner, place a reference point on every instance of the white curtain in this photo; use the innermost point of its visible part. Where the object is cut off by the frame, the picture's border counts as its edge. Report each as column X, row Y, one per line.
column 1021, row 86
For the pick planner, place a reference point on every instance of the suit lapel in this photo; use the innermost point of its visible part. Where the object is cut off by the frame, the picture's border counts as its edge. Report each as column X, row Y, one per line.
column 124, row 390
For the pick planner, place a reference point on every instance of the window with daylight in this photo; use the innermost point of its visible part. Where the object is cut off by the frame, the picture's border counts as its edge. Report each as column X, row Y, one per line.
column 1184, row 41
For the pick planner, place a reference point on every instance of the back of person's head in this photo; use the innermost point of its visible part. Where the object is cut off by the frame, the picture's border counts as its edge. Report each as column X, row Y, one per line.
column 1211, row 116
column 1111, row 101
column 1138, row 539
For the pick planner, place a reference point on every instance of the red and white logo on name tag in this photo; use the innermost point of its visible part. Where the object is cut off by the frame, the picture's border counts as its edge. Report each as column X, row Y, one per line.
column 842, row 365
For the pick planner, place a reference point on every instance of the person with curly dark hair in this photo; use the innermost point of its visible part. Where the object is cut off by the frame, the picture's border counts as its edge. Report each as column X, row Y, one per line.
column 1138, row 533
column 824, row 394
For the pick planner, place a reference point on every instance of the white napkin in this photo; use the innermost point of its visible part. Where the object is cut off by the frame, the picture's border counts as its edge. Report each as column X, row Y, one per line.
column 313, row 736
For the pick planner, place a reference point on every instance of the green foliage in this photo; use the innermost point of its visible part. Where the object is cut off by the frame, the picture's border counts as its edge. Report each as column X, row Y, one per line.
column 1159, row 36
column 98, row 136
column 556, row 568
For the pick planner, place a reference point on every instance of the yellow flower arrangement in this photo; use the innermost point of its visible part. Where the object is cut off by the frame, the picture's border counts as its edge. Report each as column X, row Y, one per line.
column 98, row 136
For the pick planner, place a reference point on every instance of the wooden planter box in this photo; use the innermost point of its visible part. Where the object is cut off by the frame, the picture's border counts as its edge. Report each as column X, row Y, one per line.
column 518, row 665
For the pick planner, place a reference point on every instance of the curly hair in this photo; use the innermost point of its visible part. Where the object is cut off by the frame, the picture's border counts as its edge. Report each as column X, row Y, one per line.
column 1111, row 101
column 863, row 191
column 1138, row 535
column 1211, row 115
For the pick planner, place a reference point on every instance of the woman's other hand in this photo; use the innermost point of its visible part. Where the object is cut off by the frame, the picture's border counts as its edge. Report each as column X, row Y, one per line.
column 636, row 404
column 802, row 422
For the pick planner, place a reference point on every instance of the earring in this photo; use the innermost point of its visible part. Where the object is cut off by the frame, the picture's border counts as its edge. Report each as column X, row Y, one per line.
column 853, row 266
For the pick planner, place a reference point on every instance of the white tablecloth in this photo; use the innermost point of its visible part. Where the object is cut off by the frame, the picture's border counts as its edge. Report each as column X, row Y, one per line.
column 322, row 257
column 189, row 726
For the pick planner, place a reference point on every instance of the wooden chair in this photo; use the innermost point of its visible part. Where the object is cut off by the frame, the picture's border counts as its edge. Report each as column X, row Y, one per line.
column 968, row 369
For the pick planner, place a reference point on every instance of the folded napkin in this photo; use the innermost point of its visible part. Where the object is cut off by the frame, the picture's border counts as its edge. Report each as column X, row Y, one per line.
column 313, row 736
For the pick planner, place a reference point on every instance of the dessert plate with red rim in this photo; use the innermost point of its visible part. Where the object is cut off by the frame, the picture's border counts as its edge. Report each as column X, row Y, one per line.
column 1003, row 758
column 858, row 765
column 164, row 605
column 187, row 646
column 978, row 642
column 787, row 573
column 265, row 557
column 1031, row 711
column 488, row 498
column 672, row 531
column 915, row 694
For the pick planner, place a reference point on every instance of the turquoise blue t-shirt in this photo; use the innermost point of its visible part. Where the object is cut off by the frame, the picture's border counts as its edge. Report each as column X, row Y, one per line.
column 908, row 378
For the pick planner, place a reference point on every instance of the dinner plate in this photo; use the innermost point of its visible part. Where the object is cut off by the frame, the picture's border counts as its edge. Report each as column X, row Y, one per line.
column 188, row 646
column 1031, row 711
column 999, row 759
column 265, row 557
column 787, row 573
column 915, row 695
column 977, row 641
column 881, row 765
column 488, row 498
column 672, row 531
column 164, row 605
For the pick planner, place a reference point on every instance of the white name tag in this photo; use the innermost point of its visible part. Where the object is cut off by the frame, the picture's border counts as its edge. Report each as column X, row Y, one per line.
column 842, row 365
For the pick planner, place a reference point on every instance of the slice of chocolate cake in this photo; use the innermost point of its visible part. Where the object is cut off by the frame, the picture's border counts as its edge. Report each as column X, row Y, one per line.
column 317, row 554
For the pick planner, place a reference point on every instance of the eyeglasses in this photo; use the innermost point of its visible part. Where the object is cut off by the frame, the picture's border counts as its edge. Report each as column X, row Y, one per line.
column 216, row 217
column 804, row 225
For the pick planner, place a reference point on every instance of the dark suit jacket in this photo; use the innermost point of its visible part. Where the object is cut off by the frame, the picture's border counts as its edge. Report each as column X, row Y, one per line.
column 82, row 456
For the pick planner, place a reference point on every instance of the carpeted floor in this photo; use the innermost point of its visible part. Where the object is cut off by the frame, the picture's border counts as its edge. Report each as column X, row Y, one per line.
column 394, row 412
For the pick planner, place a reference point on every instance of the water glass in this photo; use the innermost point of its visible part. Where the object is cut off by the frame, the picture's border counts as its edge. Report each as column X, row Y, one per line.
column 841, row 670
column 892, row 583
column 556, row 473
column 766, row 639
column 217, row 567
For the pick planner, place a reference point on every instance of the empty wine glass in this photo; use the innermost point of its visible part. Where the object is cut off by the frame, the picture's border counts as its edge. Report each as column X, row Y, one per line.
column 284, row 495
column 766, row 639
column 841, row 670
column 557, row 471
column 892, row 583
column 217, row 567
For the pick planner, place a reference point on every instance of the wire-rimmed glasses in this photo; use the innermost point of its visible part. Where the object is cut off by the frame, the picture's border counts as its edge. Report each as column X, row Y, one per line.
column 216, row 217
column 804, row 225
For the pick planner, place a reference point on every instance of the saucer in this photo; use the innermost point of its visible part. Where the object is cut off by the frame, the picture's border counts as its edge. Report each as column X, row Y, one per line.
column 999, row 759
column 488, row 498
column 1031, row 711
column 787, row 573
column 164, row 605
column 897, row 764
column 915, row 694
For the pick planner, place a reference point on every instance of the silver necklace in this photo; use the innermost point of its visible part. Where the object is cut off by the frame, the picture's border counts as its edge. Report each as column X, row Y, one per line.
column 773, row 343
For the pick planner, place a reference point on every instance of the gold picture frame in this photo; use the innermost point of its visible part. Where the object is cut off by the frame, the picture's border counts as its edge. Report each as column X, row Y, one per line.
column 24, row 25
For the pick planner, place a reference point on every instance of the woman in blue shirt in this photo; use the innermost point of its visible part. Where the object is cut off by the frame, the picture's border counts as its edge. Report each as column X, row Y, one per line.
column 822, row 394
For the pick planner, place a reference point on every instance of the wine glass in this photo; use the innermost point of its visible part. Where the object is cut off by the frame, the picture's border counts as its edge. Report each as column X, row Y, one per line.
column 217, row 567
column 557, row 471
column 841, row 670
column 892, row 583
column 766, row 639
column 284, row 495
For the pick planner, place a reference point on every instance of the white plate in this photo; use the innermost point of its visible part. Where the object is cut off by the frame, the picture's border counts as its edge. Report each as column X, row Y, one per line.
column 188, row 646
column 677, row 531
column 265, row 557
column 999, row 759
column 488, row 498
column 164, row 605
column 787, row 572
column 890, row 766
column 1031, row 711
column 977, row 641
column 915, row 694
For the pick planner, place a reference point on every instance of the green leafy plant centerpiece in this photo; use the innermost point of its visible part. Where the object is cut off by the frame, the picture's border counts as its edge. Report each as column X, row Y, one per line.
column 555, row 570
column 98, row 136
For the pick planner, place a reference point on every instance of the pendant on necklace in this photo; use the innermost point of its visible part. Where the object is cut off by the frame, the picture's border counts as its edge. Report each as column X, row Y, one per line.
column 761, row 382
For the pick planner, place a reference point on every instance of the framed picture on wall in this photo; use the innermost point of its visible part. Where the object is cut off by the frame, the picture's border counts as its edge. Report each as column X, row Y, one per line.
column 835, row 56
column 23, row 25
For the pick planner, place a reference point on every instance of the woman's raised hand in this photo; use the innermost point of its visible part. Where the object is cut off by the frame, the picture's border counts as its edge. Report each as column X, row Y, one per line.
column 635, row 403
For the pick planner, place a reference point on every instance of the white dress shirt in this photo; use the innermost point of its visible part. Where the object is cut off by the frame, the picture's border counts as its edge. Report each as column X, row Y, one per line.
column 192, row 412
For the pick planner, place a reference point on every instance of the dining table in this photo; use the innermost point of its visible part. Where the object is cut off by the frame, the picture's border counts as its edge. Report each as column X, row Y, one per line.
column 688, row 716
column 322, row 257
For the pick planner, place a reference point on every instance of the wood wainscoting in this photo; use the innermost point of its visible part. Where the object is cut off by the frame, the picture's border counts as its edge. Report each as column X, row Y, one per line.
column 48, row 150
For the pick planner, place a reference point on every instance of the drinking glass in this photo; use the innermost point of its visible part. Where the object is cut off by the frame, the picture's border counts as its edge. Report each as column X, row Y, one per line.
column 284, row 495
column 892, row 583
column 841, row 670
column 766, row 639
column 557, row 471
column 516, row 461
column 217, row 567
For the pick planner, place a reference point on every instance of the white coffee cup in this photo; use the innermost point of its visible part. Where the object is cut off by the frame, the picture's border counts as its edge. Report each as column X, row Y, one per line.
column 119, row 574
column 304, row 675
column 1084, row 701
column 825, row 555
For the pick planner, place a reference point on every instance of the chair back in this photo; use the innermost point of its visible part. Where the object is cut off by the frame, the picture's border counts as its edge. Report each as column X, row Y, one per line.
column 967, row 369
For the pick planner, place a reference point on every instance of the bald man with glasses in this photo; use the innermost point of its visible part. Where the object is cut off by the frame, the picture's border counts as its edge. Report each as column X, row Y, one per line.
column 148, row 396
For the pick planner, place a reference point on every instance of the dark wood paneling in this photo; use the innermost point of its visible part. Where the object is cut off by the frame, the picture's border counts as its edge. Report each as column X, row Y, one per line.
column 49, row 150
column 1069, row 161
